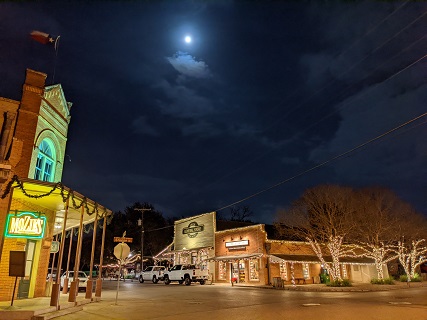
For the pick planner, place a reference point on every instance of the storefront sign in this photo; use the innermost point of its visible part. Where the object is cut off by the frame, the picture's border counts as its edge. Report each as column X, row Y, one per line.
column 25, row 225
column 193, row 229
column 195, row 232
column 237, row 245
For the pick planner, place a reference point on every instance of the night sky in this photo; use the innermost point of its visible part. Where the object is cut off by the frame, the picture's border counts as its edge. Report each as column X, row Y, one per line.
column 265, row 91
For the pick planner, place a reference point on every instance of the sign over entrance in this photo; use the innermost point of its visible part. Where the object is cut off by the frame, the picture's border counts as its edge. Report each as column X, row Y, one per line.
column 195, row 232
column 25, row 225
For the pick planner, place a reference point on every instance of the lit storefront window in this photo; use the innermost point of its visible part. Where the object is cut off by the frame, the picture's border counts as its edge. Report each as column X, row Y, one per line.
column 203, row 260
column 284, row 271
column 194, row 258
column 254, row 270
column 305, row 271
column 222, row 267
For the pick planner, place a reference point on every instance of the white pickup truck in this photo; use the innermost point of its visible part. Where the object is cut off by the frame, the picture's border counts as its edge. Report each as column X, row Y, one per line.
column 153, row 273
column 185, row 273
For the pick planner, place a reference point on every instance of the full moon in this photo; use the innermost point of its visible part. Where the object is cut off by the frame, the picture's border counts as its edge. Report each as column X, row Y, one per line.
column 187, row 39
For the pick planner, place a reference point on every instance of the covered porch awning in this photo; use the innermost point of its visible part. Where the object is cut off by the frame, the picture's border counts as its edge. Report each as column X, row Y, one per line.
column 36, row 195
column 296, row 258
column 236, row 257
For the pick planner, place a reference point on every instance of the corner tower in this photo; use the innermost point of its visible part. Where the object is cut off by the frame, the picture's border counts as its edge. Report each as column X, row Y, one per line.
column 42, row 126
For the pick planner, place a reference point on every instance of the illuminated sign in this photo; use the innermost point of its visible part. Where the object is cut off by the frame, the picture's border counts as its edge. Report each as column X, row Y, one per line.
column 193, row 229
column 235, row 245
column 25, row 225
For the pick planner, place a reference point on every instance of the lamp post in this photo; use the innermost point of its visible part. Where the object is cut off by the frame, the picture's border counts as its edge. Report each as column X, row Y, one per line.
column 141, row 223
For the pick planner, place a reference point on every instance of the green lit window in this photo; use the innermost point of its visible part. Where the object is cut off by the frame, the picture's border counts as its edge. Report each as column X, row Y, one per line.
column 45, row 162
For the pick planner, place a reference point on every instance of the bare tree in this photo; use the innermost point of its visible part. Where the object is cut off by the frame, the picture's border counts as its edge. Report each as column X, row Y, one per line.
column 411, row 248
column 240, row 213
column 378, row 217
column 323, row 216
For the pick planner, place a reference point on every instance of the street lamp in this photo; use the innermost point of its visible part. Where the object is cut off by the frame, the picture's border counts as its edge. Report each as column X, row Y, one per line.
column 141, row 223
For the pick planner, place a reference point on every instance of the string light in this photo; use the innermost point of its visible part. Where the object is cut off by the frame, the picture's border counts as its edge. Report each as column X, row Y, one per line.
column 411, row 256
column 65, row 196
column 292, row 275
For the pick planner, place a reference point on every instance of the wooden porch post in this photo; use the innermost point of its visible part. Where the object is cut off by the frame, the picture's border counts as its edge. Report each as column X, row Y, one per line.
column 90, row 281
column 101, row 260
column 74, row 288
column 65, row 285
column 54, row 298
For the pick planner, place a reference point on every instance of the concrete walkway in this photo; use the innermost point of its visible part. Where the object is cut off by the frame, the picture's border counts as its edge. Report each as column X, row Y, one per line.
column 39, row 309
column 361, row 287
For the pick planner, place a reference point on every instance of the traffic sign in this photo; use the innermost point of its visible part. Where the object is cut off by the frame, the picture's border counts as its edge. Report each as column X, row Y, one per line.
column 54, row 247
column 123, row 239
column 121, row 250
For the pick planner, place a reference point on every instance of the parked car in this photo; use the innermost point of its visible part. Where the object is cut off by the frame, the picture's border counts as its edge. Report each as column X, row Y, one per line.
column 185, row 273
column 153, row 273
column 51, row 275
column 82, row 278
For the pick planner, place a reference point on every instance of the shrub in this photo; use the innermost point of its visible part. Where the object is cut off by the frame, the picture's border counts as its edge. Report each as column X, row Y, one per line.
column 383, row 281
column 324, row 278
column 339, row 283
column 416, row 278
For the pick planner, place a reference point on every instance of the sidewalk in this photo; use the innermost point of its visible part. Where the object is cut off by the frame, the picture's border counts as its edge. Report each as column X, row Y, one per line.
column 40, row 309
column 356, row 287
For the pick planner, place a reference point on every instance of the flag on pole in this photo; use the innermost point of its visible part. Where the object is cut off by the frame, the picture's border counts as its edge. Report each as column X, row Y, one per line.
column 44, row 38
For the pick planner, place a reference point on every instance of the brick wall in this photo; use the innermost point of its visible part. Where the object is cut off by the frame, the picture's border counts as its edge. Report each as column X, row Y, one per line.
column 7, row 283
column 256, row 236
column 28, row 117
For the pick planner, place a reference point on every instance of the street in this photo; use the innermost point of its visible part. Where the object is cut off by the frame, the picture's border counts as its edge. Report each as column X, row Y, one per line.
column 222, row 301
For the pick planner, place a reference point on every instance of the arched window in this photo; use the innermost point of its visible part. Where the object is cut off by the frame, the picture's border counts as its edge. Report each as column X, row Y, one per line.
column 45, row 170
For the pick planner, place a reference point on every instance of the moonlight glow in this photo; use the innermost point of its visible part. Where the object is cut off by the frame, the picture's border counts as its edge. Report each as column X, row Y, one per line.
column 187, row 39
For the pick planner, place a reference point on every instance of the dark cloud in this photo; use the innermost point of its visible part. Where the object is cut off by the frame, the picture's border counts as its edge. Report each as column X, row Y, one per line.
column 265, row 91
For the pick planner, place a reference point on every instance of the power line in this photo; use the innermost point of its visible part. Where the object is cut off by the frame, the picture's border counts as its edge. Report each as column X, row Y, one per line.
column 259, row 156
column 324, row 163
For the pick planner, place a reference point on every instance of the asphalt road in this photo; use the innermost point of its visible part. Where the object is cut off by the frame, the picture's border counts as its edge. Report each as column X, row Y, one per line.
column 158, row 301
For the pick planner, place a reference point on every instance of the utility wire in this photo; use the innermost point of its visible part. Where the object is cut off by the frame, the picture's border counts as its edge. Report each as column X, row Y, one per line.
column 324, row 163
column 259, row 156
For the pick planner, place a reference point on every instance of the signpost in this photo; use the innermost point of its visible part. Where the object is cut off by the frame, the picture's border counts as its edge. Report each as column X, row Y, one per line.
column 121, row 251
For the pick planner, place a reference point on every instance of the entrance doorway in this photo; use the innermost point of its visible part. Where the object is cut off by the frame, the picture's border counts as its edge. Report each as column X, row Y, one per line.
column 238, row 271
column 24, row 283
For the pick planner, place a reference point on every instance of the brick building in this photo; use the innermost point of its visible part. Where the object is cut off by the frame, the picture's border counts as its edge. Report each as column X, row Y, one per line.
column 36, row 210
column 243, row 253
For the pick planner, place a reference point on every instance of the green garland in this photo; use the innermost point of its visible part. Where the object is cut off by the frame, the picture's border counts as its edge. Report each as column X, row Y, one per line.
column 65, row 197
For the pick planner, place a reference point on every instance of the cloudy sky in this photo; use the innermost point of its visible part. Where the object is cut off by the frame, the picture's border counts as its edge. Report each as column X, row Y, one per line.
column 265, row 91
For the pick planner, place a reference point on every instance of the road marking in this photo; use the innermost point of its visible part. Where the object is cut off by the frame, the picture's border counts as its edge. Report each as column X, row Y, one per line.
column 311, row 304
column 400, row 303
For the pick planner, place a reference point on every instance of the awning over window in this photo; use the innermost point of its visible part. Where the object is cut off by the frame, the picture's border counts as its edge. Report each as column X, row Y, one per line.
column 236, row 257
column 277, row 258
